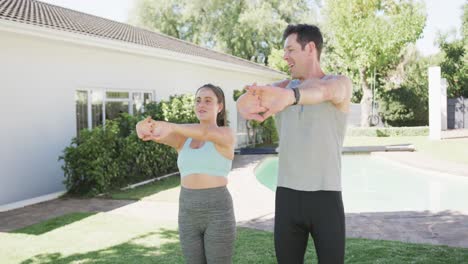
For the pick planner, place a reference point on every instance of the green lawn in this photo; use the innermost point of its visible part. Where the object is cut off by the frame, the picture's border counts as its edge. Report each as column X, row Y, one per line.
column 141, row 243
column 148, row 189
column 135, row 237
column 455, row 150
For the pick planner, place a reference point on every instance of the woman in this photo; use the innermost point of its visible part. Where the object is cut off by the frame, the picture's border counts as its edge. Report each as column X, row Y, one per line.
column 207, row 224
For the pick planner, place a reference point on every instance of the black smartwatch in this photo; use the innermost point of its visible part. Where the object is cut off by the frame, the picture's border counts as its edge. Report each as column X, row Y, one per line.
column 297, row 95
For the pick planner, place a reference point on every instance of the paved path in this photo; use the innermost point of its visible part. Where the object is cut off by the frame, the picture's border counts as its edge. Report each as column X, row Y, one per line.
column 36, row 213
column 455, row 133
column 425, row 162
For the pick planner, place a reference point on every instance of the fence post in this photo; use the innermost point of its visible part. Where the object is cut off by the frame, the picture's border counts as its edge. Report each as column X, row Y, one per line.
column 435, row 124
column 443, row 103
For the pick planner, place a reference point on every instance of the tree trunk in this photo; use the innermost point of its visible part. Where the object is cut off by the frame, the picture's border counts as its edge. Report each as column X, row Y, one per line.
column 366, row 101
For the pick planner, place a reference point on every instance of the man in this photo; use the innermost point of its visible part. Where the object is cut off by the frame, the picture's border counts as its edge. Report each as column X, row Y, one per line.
column 311, row 119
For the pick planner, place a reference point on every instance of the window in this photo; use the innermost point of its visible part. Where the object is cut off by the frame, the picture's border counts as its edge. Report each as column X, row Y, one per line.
column 97, row 110
column 140, row 100
column 117, row 95
column 94, row 107
column 114, row 109
column 81, row 99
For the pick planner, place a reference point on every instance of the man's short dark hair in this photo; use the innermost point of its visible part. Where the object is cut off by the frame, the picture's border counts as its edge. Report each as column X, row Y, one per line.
column 305, row 34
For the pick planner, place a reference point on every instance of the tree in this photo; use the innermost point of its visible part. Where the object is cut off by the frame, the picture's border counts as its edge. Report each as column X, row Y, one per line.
column 404, row 97
column 245, row 28
column 276, row 61
column 454, row 66
column 368, row 35
column 465, row 24
column 166, row 16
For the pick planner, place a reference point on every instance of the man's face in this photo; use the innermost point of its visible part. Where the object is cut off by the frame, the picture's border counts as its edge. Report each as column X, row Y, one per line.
column 298, row 59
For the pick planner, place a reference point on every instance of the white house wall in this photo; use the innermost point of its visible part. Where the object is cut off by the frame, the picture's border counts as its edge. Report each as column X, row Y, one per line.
column 39, row 78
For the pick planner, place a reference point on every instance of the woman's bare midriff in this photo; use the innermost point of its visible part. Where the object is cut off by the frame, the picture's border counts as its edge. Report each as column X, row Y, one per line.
column 203, row 181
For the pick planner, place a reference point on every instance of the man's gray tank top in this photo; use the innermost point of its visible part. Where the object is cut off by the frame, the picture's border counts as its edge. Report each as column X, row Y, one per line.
column 311, row 140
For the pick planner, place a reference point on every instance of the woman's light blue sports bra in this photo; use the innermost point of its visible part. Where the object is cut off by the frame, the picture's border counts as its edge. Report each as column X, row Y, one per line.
column 204, row 160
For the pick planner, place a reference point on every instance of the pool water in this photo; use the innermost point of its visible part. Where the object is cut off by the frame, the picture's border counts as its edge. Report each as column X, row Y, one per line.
column 372, row 184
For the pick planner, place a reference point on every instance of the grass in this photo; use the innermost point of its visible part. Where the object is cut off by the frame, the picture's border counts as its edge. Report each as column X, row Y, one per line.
column 161, row 245
column 454, row 150
column 263, row 145
column 136, row 237
column 53, row 223
column 253, row 246
column 387, row 131
column 140, row 192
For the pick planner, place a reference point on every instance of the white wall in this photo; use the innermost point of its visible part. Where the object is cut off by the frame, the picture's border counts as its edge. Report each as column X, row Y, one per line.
column 354, row 116
column 39, row 78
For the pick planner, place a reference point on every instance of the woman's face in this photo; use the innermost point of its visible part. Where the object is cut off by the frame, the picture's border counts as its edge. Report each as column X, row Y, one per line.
column 206, row 105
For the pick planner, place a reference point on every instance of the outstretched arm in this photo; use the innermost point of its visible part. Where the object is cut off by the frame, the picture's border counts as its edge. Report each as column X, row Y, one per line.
column 249, row 107
column 145, row 130
column 221, row 136
column 249, row 104
column 176, row 134
column 338, row 90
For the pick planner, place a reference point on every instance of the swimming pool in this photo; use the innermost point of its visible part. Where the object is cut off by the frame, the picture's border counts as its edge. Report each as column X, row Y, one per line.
column 373, row 184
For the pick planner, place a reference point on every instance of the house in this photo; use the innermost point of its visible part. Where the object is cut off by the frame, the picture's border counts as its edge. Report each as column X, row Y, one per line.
column 62, row 70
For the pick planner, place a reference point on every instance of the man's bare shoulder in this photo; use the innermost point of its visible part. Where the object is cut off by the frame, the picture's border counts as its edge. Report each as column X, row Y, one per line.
column 339, row 77
column 346, row 87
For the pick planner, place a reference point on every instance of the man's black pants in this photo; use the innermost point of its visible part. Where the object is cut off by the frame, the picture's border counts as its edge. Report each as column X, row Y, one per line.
column 300, row 213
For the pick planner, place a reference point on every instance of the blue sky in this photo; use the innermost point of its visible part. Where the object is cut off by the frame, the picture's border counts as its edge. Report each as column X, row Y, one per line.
column 443, row 15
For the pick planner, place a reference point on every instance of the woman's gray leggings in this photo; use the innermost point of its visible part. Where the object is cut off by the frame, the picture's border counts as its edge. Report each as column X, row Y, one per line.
column 207, row 226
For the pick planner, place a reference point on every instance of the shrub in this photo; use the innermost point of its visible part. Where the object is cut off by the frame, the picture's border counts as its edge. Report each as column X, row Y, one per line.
column 267, row 129
column 387, row 131
column 112, row 156
column 140, row 160
column 404, row 107
column 405, row 102
column 91, row 161
column 126, row 124
column 179, row 109
column 269, row 132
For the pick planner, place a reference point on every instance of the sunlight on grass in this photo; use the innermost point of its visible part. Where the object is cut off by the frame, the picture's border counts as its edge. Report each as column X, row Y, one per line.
column 106, row 238
column 252, row 246
column 146, row 190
